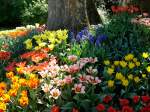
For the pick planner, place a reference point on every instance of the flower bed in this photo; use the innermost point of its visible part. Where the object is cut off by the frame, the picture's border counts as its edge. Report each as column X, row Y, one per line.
column 101, row 69
column 56, row 76
column 20, row 31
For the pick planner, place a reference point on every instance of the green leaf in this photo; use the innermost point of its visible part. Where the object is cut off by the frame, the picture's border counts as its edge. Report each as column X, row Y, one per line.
column 93, row 109
column 76, row 97
column 85, row 104
column 68, row 106
column 122, row 92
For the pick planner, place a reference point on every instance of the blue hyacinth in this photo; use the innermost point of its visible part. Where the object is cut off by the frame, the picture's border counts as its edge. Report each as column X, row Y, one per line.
column 86, row 35
column 100, row 39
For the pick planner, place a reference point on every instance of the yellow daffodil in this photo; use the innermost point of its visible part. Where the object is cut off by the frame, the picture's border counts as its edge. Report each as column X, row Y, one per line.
column 32, row 76
column 52, row 40
column 47, row 39
column 28, row 44
column 38, row 41
column 62, row 34
column 43, row 44
column 37, row 37
column 58, row 41
column 51, row 35
column 51, row 46
column 37, row 47
column 44, row 37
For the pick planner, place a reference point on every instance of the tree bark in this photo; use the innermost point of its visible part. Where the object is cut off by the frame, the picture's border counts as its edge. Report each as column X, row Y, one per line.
column 70, row 14
column 145, row 6
column 93, row 16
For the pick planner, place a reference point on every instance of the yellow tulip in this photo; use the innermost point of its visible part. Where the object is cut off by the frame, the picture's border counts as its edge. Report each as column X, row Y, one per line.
column 136, row 79
column 119, row 76
column 130, row 76
column 125, row 83
column 106, row 62
column 110, row 83
column 148, row 69
column 145, row 55
column 129, row 57
column 123, row 64
column 131, row 65
column 110, row 71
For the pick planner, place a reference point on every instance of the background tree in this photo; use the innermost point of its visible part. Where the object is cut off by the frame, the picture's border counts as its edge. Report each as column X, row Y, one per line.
column 145, row 5
column 17, row 12
column 71, row 14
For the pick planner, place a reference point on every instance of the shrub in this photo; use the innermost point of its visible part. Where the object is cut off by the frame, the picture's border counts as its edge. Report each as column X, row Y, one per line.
column 36, row 11
column 125, row 36
column 13, row 8
column 16, row 12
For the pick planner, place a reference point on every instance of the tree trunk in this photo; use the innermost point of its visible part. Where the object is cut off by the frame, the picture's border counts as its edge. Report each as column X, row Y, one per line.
column 70, row 14
column 93, row 16
column 145, row 6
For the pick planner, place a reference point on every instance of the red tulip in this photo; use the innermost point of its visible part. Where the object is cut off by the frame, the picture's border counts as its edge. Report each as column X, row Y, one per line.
column 55, row 109
column 145, row 109
column 5, row 55
column 127, row 109
column 100, row 107
column 136, row 99
column 75, row 110
column 107, row 99
column 124, row 102
column 10, row 67
column 114, row 9
column 111, row 109
column 145, row 99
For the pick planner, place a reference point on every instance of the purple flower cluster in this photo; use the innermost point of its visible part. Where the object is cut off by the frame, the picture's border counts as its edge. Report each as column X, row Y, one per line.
column 100, row 39
column 85, row 35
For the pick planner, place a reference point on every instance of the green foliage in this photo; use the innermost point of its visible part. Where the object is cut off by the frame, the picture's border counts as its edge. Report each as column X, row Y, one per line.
column 36, row 11
column 125, row 36
column 10, row 11
column 15, row 12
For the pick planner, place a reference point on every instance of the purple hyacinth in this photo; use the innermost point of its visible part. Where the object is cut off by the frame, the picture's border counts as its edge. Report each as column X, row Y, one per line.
column 100, row 39
column 86, row 35
column 91, row 39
